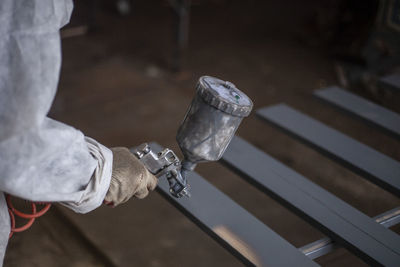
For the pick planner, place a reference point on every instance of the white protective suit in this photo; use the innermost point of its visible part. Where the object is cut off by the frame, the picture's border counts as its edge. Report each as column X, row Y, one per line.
column 41, row 159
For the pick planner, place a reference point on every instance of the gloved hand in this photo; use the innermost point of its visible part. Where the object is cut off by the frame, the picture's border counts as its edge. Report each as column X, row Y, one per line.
column 129, row 178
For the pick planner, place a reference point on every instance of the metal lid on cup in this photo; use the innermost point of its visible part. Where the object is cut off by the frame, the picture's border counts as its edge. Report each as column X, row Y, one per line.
column 224, row 95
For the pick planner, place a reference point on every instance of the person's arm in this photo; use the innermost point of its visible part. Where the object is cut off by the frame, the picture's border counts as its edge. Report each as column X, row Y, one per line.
column 42, row 159
column 55, row 162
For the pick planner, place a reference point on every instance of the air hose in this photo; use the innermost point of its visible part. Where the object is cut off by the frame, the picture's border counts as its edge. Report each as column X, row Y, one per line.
column 29, row 216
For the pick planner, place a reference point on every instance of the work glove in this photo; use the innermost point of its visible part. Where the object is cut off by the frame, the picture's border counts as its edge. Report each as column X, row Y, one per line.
column 129, row 178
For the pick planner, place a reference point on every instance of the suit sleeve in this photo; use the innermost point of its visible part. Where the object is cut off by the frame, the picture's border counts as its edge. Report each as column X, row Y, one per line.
column 42, row 159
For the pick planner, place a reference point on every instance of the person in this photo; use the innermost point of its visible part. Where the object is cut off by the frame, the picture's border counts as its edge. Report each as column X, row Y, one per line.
column 42, row 159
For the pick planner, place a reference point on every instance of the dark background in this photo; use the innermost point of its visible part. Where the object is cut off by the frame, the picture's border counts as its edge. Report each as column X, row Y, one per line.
column 118, row 85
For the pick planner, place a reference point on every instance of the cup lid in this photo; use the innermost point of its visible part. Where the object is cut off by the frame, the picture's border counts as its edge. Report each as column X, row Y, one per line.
column 224, row 96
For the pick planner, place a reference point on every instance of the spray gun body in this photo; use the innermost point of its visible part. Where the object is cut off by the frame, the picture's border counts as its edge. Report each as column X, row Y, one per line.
column 164, row 163
column 207, row 129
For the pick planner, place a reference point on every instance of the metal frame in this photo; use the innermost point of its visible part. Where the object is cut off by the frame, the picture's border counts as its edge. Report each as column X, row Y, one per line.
column 326, row 245
column 337, row 219
column 254, row 243
column 372, row 113
column 232, row 226
column 361, row 159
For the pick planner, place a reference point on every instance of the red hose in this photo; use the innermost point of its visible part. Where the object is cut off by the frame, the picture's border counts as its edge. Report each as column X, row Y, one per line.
column 12, row 218
column 14, row 212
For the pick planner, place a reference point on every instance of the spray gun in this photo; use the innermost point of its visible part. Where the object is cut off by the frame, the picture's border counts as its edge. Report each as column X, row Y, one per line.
column 207, row 129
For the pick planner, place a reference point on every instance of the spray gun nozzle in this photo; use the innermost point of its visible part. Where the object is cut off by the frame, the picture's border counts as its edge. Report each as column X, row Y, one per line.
column 181, row 187
column 178, row 185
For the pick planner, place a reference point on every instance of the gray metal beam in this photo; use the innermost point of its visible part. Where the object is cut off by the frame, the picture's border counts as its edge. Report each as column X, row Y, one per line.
column 365, row 161
column 389, row 218
column 232, row 226
column 337, row 219
column 325, row 245
column 391, row 82
column 319, row 248
column 372, row 113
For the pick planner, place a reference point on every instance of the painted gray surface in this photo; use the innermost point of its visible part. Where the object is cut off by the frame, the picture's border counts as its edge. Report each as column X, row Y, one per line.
column 343, row 223
column 319, row 248
column 389, row 218
column 211, row 209
column 367, row 162
column 391, row 82
column 385, row 119
column 325, row 245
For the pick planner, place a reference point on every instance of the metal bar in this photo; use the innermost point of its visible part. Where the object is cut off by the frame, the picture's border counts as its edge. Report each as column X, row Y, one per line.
column 372, row 113
column 181, row 28
column 319, row 248
column 391, row 82
column 389, row 218
column 232, row 226
column 325, row 245
column 361, row 159
column 337, row 219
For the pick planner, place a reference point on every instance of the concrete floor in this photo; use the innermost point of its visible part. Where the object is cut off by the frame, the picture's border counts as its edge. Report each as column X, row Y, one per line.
column 115, row 86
